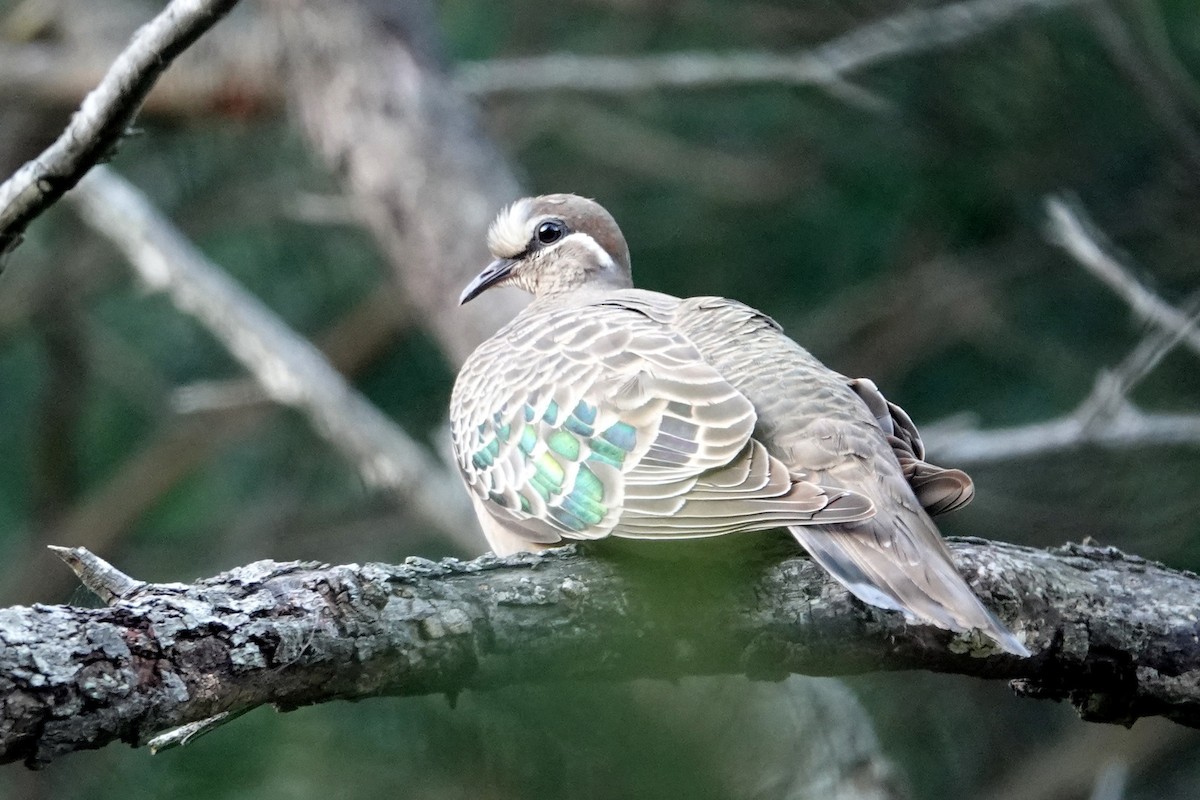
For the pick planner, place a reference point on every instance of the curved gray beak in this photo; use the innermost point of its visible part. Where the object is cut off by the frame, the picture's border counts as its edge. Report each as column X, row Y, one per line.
column 495, row 272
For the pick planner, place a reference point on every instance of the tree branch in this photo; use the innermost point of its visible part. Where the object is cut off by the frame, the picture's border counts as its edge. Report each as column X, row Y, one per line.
column 1106, row 417
column 367, row 90
column 828, row 65
column 288, row 368
column 1069, row 228
column 101, row 120
column 1125, row 427
column 166, row 655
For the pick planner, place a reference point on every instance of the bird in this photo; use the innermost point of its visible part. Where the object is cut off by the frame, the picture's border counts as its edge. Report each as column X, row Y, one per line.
column 604, row 410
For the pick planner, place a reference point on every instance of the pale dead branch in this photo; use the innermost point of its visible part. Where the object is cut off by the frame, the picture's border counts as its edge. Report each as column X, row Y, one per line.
column 1070, row 229
column 905, row 34
column 287, row 367
column 1106, row 417
column 100, row 122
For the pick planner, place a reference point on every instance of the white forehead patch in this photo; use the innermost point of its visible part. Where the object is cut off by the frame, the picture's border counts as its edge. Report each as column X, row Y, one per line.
column 509, row 232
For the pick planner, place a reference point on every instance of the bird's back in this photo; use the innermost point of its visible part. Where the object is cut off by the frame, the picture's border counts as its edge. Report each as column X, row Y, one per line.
column 811, row 418
column 554, row 357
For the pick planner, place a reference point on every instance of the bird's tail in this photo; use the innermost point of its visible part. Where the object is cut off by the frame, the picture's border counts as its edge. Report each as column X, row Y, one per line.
column 884, row 563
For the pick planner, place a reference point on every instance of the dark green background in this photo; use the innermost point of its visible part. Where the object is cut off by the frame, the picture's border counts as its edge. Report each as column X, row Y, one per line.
column 906, row 244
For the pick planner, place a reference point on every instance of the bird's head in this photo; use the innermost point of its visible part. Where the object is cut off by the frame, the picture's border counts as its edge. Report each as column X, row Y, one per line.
column 552, row 244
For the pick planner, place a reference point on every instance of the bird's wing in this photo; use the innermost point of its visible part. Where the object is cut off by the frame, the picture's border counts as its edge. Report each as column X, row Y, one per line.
column 592, row 420
column 937, row 488
column 845, row 434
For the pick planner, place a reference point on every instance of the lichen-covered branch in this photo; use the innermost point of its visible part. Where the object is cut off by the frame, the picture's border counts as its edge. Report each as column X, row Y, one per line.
column 102, row 118
column 1114, row 634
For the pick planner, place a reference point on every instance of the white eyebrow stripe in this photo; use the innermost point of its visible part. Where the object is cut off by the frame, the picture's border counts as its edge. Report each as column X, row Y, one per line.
column 509, row 232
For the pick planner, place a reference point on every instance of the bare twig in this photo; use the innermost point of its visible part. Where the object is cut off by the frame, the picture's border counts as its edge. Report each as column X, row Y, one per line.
column 54, row 56
column 355, row 340
column 109, row 511
column 38, row 69
column 105, row 580
column 1127, row 427
column 186, row 734
column 1154, row 88
column 1105, row 417
column 1112, row 387
column 101, row 120
column 908, row 33
column 1070, row 229
column 287, row 367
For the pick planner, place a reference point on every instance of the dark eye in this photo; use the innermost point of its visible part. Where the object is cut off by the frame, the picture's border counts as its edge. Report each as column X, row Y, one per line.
column 550, row 231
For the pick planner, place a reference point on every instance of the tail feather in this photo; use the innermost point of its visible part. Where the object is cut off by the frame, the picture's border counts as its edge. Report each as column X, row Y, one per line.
column 865, row 558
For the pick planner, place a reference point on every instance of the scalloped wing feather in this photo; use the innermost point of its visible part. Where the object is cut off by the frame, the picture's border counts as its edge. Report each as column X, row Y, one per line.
column 844, row 433
column 585, row 421
column 938, row 489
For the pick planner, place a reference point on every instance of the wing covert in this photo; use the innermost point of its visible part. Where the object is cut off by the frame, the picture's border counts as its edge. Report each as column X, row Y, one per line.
column 597, row 421
column 939, row 489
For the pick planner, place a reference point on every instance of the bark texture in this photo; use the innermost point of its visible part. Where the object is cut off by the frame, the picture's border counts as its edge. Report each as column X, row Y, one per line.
column 1114, row 634
column 370, row 88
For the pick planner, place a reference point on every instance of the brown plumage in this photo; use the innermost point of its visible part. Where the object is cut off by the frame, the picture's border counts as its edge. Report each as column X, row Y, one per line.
column 607, row 410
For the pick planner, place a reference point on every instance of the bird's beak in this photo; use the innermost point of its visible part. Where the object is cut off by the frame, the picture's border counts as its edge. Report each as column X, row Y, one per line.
column 496, row 271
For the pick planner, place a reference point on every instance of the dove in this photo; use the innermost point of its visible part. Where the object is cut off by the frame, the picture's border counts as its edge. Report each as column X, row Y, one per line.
column 603, row 410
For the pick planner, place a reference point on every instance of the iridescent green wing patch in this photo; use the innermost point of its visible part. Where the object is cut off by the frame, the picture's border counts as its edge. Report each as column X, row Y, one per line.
column 579, row 418
column 560, row 453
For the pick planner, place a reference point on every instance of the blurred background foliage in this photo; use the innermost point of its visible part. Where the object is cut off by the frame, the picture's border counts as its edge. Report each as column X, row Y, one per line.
column 904, row 241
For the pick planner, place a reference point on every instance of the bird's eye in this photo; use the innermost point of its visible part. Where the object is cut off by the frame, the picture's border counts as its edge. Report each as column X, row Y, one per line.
column 550, row 232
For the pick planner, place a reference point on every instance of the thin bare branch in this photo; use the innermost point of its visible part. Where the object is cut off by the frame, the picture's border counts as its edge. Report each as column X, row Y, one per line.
column 101, row 120
column 1154, row 88
column 186, row 734
column 1154, row 347
column 288, row 367
column 105, row 580
column 1106, row 417
column 908, row 33
column 1126, row 428
column 1070, row 229
column 352, row 343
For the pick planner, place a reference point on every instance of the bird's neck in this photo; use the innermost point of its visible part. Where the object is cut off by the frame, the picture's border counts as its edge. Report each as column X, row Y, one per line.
column 557, row 290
